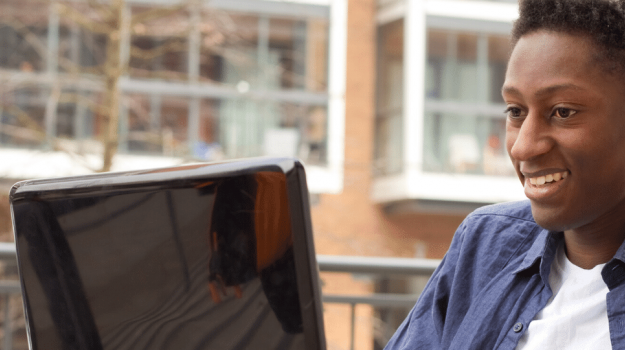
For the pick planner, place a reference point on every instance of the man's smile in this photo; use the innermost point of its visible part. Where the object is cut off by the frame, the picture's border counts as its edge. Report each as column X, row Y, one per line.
column 541, row 180
column 544, row 185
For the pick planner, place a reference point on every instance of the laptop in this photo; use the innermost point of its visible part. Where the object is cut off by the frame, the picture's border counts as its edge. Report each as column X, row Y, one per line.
column 203, row 256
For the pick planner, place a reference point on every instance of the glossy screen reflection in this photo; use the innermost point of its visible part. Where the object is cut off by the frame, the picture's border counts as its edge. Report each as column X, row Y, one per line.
column 202, row 264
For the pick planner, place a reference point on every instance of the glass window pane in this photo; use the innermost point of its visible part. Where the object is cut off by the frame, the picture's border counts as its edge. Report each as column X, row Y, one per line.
column 390, row 98
column 436, row 57
column 254, row 128
column 157, row 124
column 159, row 47
column 139, row 133
column 465, row 144
column 465, row 72
column 498, row 51
column 238, row 51
column 17, row 52
column 316, row 55
column 65, row 114
column 80, row 50
column 22, row 117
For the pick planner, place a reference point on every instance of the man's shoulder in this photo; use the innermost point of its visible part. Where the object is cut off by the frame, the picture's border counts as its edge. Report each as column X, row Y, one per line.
column 502, row 223
column 493, row 237
column 520, row 211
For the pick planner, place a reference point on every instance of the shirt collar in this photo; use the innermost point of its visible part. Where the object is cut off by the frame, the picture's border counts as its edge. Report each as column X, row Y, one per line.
column 620, row 253
column 543, row 248
column 614, row 271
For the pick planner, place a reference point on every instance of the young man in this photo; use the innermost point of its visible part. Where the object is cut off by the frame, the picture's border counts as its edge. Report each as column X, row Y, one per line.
column 548, row 273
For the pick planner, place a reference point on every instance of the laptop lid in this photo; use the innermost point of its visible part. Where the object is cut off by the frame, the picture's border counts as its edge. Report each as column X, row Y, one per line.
column 205, row 256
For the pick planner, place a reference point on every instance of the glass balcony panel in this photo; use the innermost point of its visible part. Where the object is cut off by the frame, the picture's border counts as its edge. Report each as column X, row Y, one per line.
column 229, row 128
column 255, row 128
column 389, row 154
column 465, row 144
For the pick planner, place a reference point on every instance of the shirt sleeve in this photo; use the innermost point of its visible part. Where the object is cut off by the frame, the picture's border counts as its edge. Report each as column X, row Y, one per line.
column 424, row 325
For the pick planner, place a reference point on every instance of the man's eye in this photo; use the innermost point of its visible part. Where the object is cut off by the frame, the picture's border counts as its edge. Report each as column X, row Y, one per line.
column 513, row 112
column 563, row 112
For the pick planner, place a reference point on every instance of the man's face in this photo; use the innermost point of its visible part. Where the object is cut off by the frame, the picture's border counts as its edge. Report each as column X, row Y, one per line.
column 565, row 131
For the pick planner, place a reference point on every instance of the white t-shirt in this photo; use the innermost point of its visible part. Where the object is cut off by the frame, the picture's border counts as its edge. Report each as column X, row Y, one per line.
column 576, row 316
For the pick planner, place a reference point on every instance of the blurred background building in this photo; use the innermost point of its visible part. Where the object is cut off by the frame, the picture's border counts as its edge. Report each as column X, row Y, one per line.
column 393, row 105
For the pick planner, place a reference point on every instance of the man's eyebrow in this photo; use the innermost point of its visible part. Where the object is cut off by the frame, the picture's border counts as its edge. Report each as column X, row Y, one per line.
column 543, row 91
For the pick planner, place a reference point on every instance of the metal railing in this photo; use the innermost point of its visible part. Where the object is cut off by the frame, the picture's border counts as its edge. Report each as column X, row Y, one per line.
column 8, row 288
column 373, row 266
column 377, row 267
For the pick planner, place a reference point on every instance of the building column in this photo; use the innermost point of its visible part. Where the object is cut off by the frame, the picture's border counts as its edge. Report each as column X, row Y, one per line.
column 414, row 88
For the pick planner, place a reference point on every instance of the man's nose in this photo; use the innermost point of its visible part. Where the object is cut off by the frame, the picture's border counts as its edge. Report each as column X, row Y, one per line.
column 532, row 138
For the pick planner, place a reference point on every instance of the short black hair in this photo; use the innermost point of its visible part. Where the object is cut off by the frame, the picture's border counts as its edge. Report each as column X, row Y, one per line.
column 603, row 21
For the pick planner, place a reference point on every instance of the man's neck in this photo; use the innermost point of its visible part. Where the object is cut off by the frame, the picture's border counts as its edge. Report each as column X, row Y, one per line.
column 588, row 247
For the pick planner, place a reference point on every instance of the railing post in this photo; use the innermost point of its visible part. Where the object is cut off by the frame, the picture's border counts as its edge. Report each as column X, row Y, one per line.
column 8, row 329
column 353, row 330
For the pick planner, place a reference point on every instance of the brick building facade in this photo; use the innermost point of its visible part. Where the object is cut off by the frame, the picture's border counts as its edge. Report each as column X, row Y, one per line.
column 397, row 153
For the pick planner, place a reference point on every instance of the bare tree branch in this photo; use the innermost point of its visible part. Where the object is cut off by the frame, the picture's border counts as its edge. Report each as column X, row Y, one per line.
column 157, row 13
column 149, row 54
column 25, row 119
column 103, row 10
column 80, row 98
column 83, row 21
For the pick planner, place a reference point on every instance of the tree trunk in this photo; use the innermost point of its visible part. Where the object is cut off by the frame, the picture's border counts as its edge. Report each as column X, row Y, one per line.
column 114, row 68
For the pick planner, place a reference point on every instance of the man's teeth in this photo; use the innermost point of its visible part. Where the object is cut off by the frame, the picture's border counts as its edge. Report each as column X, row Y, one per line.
column 541, row 180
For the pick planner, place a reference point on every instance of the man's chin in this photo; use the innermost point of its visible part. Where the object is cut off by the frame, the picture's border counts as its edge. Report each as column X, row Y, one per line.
column 550, row 219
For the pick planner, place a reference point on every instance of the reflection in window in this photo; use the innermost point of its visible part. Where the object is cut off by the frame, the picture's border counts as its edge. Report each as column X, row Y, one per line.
column 265, row 78
column 80, row 50
column 228, row 128
column 280, row 129
column 389, row 115
column 465, row 144
column 22, row 117
column 463, row 132
column 159, row 46
column 16, row 51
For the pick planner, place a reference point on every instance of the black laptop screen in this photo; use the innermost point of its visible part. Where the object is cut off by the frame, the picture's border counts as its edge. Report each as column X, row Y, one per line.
column 204, row 262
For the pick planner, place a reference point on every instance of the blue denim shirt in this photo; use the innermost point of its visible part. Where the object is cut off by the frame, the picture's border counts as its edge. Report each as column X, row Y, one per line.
column 493, row 281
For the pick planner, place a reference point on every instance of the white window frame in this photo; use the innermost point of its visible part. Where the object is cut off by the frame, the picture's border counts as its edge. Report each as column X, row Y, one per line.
column 413, row 182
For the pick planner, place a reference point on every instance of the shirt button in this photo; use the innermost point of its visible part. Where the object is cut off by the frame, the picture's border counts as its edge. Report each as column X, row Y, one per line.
column 518, row 327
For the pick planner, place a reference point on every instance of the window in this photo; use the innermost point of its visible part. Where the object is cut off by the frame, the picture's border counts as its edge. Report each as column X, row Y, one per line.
column 464, row 124
column 22, row 117
column 205, row 83
column 18, row 52
column 266, row 83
